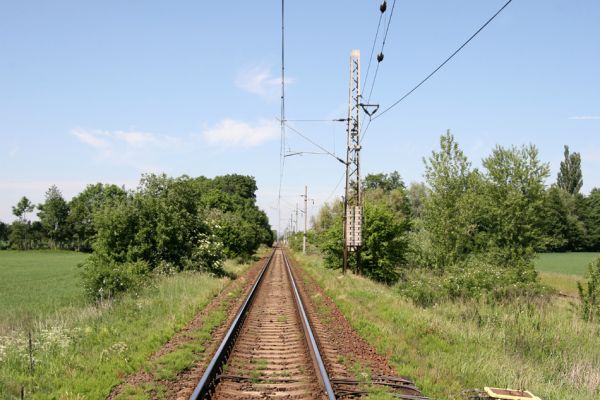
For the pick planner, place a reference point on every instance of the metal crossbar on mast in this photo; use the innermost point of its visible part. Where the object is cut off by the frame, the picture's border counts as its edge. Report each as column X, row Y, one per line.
column 353, row 196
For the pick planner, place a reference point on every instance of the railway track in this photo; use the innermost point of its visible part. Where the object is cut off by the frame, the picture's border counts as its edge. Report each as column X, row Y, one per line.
column 270, row 350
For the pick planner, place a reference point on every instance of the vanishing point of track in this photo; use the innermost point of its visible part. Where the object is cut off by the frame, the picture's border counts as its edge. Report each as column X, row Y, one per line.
column 269, row 350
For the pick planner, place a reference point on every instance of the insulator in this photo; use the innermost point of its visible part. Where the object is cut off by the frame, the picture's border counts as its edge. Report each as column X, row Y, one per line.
column 383, row 6
column 380, row 57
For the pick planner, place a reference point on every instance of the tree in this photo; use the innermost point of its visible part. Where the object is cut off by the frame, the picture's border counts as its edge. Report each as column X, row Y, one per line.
column 23, row 207
column 4, row 236
column 386, row 182
column 84, row 206
column 53, row 216
column 170, row 225
column 569, row 177
column 450, row 213
column 562, row 227
column 514, row 203
column 19, row 230
column 417, row 196
column 591, row 219
column 385, row 228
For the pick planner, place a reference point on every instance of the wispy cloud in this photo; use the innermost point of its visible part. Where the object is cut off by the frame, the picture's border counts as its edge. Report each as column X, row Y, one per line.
column 586, row 117
column 132, row 148
column 260, row 80
column 231, row 133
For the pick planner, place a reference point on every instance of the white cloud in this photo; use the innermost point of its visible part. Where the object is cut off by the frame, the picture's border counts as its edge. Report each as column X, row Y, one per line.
column 233, row 133
column 260, row 80
column 586, row 117
column 131, row 148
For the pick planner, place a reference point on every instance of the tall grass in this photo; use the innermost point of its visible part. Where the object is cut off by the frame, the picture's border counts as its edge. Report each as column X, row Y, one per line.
column 537, row 344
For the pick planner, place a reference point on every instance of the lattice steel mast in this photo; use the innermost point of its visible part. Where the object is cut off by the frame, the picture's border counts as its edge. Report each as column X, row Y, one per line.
column 353, row 195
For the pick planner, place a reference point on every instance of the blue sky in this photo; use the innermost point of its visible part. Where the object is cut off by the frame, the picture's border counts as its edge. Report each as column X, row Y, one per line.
column 104, row 91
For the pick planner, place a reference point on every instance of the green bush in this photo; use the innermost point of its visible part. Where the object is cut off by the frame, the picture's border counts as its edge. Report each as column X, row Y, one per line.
column 104, row 279
column 590, row 294
column 207, row 256
column 473, row 279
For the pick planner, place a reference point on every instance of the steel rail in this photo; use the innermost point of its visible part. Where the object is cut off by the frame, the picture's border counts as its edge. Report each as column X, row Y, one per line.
column 209, row 378
column 315, row 354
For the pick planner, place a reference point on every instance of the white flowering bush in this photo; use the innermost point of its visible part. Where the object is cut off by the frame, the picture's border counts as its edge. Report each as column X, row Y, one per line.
column 207, row 256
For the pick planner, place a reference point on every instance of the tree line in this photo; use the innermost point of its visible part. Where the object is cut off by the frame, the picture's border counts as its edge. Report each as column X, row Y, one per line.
column 468, row 228
column 166, row 225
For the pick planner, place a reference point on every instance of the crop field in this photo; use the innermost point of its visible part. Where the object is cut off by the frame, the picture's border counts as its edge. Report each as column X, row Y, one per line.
column 96, row 345
column 36, row 284
column 562, row 271
column 565, row 263
column 539, row 344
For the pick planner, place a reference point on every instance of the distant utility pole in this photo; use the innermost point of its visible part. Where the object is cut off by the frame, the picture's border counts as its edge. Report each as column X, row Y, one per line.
column 296, row 228
column 353, row 198
column 305, row 195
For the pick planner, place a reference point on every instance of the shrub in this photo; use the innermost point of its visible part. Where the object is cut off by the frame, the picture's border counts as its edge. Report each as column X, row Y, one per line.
column 473, row 279
column 207, row 256
column 104, row 279
column 590, row 295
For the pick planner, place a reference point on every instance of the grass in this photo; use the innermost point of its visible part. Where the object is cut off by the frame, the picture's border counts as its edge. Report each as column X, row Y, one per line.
column 536, row 344
column 37, row 284
column 562, row 271
column 565, row 263
column 87, row 349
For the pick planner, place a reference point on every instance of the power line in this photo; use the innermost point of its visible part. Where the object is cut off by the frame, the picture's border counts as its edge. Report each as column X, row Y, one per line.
column 381, row 51
column 373, row 47
column 443, row 63
column 317, row 120
column 314, row 143
column 336, row 187
column 282, row 139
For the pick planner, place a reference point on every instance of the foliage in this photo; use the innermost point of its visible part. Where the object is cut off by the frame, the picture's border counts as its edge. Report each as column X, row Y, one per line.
column 590, row 214
column 4, row 235
column 471, row 279
column 450, row 215
column 384, row 242
column 570, row 178
column 82, row 209
column 514, row 195
column 23, row 207
column 535, row 342
column 385, row 182
column 417, row 196
column 173, row 224
column 590, row 294
column 385, row 229
column 562, row 227
column 53, row 215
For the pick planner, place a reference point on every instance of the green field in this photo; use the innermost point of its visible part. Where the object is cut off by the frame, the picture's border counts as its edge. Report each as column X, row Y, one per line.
column 565, row 263
column 95, row 345
column 562, row 271
column 537, row 344
column 36, row 284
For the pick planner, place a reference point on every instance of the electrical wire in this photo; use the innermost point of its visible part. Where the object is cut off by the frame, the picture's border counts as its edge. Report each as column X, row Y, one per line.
column 314, row 143
column 443, row 63
column 282, row 139
column 373, row 47
column 389, row 21
column 335, row 188
column 317, row 120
